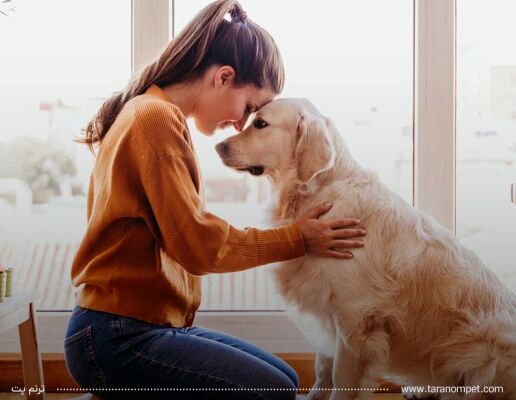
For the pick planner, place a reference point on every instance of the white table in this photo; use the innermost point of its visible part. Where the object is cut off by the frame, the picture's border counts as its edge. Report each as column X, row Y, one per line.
column 18, row 310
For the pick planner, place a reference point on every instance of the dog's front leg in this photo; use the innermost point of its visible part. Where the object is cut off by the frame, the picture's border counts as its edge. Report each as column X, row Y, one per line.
column 323, row 382
column 358, row 359
column 347, row 372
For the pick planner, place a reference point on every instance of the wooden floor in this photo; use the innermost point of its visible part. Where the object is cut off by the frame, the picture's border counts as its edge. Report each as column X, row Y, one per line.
column 61, row 396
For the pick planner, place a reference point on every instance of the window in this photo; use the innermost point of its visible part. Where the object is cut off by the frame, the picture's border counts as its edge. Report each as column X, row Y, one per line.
column 55, row 73
column 353, row 59
column 486, row 132
column 356, row 66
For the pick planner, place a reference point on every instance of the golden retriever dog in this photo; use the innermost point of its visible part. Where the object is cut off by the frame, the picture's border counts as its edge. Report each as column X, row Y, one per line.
column 413, row 305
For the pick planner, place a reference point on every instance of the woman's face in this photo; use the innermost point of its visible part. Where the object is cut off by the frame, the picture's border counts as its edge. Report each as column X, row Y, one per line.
column 221, row 103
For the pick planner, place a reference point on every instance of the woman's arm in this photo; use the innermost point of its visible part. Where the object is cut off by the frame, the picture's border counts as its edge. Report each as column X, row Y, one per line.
column 200, row 241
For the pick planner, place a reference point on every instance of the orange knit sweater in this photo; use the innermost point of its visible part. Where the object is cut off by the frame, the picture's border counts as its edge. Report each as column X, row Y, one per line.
column 149, row 238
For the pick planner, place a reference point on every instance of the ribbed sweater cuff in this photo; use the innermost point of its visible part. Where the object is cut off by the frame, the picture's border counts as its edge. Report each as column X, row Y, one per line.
column 290, row 244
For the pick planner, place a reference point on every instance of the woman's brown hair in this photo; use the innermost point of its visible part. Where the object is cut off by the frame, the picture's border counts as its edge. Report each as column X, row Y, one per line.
column 209, row 39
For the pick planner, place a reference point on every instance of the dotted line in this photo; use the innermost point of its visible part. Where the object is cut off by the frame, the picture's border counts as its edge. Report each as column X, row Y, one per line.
column 221, row 389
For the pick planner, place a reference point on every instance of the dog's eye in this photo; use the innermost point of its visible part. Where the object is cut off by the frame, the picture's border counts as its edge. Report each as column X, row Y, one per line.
column 259, row 123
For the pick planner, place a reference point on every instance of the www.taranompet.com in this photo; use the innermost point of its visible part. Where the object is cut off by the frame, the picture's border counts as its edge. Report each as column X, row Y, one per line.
column 451, row 389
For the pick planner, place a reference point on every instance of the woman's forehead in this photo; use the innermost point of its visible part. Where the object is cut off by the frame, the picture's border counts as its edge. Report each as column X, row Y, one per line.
column 260, row 96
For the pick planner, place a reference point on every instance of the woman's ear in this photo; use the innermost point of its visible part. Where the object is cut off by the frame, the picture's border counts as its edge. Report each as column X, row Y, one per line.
column 224, row 75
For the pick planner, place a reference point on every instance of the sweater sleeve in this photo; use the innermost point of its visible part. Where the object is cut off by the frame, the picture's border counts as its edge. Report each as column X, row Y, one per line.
column 200, row 241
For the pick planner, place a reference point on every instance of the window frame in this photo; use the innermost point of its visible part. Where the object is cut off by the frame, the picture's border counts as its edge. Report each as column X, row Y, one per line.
column 434, row 128
column 435, row 109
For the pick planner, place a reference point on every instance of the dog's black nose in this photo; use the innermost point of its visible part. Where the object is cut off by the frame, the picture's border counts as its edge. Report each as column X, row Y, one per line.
column 222, row 148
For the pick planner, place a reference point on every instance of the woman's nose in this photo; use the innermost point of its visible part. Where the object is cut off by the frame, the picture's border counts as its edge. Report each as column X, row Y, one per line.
column 239, row 125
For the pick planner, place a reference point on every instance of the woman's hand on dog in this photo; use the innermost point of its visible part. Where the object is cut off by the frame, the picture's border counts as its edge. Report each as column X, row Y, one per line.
column 332, row 237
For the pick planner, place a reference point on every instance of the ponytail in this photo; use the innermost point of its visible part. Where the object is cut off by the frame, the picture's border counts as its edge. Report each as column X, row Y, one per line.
column 209, row 39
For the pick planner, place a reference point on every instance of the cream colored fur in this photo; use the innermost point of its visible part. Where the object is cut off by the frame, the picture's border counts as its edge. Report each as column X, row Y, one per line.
column 413, row 304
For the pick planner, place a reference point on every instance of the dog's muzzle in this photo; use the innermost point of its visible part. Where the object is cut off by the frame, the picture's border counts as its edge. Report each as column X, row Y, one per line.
column 224, row 152
column 222, row 148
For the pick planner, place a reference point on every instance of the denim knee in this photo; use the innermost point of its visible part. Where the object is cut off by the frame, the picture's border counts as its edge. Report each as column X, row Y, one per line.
column 284, row 387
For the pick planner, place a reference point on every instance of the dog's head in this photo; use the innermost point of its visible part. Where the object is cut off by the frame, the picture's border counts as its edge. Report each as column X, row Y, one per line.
column 285, row 135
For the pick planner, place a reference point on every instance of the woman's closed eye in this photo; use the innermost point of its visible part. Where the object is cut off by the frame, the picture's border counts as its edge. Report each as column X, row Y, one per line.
column 259, row 123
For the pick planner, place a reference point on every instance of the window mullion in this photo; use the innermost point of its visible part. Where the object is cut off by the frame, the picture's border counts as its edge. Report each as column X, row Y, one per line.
column 151, row 22
column 435, row 49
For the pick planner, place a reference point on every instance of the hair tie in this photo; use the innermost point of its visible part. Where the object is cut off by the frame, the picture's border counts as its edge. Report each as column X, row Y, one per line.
column 241, row 16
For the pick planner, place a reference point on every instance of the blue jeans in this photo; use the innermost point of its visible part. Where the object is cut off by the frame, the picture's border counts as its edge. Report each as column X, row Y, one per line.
column 106, row 351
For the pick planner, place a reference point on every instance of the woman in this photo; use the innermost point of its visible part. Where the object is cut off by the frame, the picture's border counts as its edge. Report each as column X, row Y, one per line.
column 149, row 239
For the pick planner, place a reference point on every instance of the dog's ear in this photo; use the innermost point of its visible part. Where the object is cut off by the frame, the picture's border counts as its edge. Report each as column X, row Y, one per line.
column 314, row 149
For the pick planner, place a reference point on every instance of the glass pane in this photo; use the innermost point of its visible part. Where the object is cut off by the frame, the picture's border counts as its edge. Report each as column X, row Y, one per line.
column 353, row 60
column 57, row 68
column 486, row 132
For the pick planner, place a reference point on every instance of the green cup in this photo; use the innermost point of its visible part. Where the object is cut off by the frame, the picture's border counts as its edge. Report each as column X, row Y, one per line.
column 2, row 285
column 9, row 282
